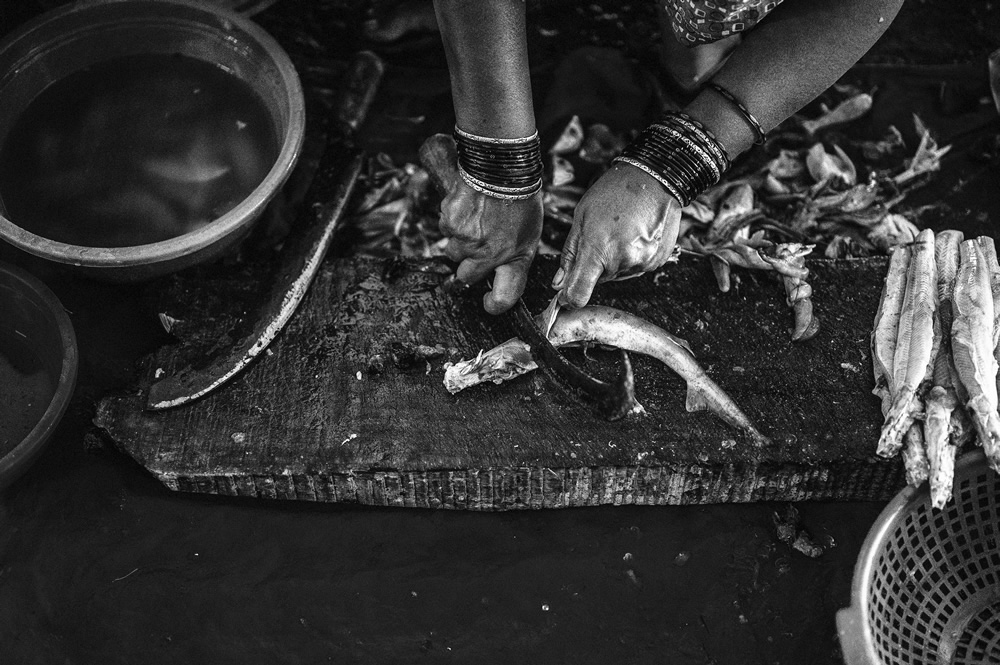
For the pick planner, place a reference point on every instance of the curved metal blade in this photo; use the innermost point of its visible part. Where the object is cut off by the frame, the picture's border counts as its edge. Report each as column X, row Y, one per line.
column 613, row 400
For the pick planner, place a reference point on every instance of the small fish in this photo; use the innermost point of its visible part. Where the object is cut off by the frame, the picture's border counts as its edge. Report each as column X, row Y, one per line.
column 915, row 462
column 973, row 348
column 913, row 357
column 613, row 327
column 850, row 109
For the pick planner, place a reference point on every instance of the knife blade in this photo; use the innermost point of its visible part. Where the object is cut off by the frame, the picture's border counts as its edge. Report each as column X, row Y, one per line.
column 303, row 251
column 613, row 400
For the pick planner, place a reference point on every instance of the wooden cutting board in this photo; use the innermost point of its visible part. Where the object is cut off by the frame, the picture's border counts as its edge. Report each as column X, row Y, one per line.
column 343, row 407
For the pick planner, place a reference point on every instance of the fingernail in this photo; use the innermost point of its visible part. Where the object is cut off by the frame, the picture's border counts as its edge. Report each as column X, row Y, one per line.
column 558, row 279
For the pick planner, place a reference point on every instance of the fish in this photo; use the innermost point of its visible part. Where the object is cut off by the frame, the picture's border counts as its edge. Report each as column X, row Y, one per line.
column 913, row 358
column 883, row 337
column 973, row 348
column 916, row 466
column 942, row 400
column 613, row 327
column 850, row 109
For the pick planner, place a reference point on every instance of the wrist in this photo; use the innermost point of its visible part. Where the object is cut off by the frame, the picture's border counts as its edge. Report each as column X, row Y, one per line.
column 680, row 153
column 502, row 168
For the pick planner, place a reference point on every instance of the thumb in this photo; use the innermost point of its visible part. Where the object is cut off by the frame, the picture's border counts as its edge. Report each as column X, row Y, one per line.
column 508, row 285
column 582, row 278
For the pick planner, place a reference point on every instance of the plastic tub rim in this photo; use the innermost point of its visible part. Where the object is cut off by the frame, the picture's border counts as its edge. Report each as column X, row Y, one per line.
column 242, row 215
column 16, row 462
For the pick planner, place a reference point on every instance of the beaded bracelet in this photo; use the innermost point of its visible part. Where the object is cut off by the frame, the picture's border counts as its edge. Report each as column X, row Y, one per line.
column 680, row 153
column 503, row 168
column 744, row 111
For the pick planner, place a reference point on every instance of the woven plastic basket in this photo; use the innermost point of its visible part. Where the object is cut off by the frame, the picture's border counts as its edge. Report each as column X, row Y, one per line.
column 926, row 585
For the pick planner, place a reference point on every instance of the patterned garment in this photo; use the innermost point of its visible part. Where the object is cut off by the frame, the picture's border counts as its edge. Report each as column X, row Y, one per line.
column 704, row 21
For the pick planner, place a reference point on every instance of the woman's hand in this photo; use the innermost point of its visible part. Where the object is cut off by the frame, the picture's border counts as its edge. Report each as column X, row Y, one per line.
column 626, row 224
column 486, row 234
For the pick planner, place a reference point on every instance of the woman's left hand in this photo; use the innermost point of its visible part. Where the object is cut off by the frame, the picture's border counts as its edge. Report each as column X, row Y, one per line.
column 625, row 225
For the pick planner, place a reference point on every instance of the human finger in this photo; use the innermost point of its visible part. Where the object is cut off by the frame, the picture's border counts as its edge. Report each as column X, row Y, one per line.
column 581, row 280
column 567, row 257
column 473, row 270
column 508, row 285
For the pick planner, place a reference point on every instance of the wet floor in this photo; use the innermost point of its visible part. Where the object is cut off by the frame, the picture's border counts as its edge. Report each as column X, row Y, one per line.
column 99, row 563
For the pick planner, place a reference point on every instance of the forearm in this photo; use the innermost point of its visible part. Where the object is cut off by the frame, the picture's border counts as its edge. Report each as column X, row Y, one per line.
column 786, row 61
column 486, row 46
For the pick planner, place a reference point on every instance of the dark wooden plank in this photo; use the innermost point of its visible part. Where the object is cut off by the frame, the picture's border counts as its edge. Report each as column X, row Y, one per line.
column 341, row 412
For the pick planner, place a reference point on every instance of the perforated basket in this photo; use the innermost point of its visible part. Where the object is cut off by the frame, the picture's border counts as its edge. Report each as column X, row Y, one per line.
column 927, row 583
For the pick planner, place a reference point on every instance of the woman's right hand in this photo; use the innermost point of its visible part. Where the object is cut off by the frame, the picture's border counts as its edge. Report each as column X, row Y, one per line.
column 487, row 234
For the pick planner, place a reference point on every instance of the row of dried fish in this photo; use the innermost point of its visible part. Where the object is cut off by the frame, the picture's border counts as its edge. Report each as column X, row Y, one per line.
column 934, row 355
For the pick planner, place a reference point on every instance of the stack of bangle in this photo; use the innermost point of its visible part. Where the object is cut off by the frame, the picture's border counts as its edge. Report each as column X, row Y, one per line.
column 502, row 168
column 680, row 153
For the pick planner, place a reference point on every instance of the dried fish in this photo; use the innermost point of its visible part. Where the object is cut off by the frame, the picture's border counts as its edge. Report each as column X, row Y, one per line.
column 973, row 348
column 846, row 111
column 915, row 463
column 914, row 354
column 883, row 337
column 614, row 327
column 942, row 400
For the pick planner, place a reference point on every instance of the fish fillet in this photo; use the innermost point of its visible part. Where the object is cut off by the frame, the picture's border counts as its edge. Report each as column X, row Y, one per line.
column 913, row 359
column 614, row 327
column 972, row 346
column 940, row 436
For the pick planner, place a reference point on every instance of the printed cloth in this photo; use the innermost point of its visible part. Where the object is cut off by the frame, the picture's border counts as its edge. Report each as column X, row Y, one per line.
column 704, row 21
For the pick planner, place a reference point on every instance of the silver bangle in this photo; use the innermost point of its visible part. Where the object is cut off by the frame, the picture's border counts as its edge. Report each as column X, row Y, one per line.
column 471, row 182
column 486, row 139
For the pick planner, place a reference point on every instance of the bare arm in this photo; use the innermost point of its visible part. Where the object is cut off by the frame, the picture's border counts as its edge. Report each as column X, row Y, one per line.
column 485, row 42
column 486, row 46
column 792, row 56
column 627, row 223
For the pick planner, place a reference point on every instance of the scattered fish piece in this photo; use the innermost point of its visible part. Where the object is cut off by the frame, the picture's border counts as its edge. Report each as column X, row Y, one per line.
column 571, row 138
column 501, row 363
column 836, row 169
column 563, row 172
column 596, row 324
column 927, row 158
column 891, row 231
column 734, row 208
column 850, row 109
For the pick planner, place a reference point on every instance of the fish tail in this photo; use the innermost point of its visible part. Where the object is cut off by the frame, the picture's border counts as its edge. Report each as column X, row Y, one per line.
column 897, row 422
column 915, row 460
column 940, row 449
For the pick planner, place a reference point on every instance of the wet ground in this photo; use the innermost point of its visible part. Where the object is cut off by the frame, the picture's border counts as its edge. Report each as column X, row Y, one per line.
column 100, row 564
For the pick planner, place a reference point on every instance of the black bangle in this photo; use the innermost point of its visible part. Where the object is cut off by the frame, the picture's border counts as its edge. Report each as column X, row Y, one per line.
column 680, row 154
column 744, row 111
column 500, row 167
